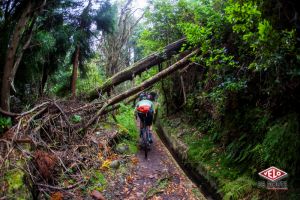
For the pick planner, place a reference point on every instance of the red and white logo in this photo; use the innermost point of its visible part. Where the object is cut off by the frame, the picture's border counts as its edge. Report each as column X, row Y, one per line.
column 273, row 174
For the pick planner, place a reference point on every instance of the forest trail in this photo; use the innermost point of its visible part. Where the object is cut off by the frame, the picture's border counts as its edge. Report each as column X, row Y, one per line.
column 157, row 177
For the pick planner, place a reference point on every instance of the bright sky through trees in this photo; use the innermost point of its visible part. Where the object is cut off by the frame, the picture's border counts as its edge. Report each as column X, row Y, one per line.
column 140, row 3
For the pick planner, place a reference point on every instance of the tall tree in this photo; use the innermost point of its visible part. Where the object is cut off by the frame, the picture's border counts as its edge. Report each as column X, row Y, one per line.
column 103, row 18
column 84, row 30
column 116, row 47
column 28, row 11
column 48, row 50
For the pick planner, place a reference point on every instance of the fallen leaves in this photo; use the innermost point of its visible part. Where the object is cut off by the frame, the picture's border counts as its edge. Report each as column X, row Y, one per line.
column 45, row 163
column 105, row 165
column 129, row 179
column 100, row 156
column 57, row 196
column 97, row 195
column 134, row 160
column 158, row 187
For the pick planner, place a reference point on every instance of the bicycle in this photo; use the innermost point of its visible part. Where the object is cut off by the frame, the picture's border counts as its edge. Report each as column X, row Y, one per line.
column 145, row 138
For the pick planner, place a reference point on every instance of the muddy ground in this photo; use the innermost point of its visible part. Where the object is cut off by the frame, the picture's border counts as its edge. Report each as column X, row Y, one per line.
column 157, row 177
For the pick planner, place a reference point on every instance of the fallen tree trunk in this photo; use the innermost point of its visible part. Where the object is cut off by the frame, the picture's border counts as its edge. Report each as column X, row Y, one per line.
column 117, row 106
column 139, row 67
column 146, row 84
column 9, row 114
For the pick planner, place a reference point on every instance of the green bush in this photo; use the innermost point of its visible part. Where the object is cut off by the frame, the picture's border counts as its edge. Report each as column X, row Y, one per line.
column 281, row 145
column 238, row 189
column 5, row 122
column 127, row 123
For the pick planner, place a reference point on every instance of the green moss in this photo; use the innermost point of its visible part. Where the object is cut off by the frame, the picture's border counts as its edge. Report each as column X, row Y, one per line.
column 97, row 181
column 107, row 126
column 14, row 179
column 123, row 130
column 16, row 186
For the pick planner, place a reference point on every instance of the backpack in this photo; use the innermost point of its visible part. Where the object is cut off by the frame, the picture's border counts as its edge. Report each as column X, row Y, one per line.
column 144, row 108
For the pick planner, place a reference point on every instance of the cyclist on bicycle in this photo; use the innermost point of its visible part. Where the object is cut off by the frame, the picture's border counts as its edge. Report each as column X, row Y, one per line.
column 145, row 111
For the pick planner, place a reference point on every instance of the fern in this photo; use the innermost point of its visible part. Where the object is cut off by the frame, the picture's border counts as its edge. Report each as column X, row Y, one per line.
column 238, row 188
column 257, row 156
column 281, row 144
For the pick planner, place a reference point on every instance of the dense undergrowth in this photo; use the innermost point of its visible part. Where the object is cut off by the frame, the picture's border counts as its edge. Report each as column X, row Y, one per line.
column 234, row 179
column 111, row 142
column 242, row 91
column 125, row 120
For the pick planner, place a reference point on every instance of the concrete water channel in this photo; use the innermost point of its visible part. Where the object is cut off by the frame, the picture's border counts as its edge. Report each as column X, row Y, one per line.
column 206, row 187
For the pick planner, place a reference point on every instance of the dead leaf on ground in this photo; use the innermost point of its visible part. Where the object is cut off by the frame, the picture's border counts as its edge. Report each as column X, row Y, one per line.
column 105, row 165
column 129, row 179
column 134, row 160
column 100, row 156
column 57, row 196
column 113, row 156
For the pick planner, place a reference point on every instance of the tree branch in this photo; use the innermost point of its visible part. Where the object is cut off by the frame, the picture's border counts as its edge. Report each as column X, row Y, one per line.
column 139, row 67
column 146, row 84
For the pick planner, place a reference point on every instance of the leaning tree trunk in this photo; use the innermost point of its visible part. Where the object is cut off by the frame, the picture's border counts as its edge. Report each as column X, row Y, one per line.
column 19, row 55
column 164, row 90
column 75, row 72
column 44, row 79
column 139, row 67
column 146, row 84
column 10, row 56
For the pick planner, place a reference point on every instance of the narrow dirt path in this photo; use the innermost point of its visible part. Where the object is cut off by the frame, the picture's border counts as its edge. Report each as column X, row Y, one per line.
column 159, row 177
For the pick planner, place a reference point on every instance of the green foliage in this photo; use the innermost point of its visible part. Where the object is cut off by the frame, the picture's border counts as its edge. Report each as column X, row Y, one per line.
column 16, row 187
column 203, row 24
column 94, row 77
column 126, row 119
column 265, row 31
column 97, row 181
column 161, row 27
column 15, row 180
column 219, row 59
column 76, row 118
column 5, row 122
column 105, row 17
column 127, row 124
column 239, row 151
column 233, row 85
column 146, row 75
column 46, row 41
column 243, row 16
column 60, row 81
column 148, row 45
column 205, row 155
column 247, row 127
column 238, row 188
column 194, row 33
column 200, row 149
column 281, row 144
